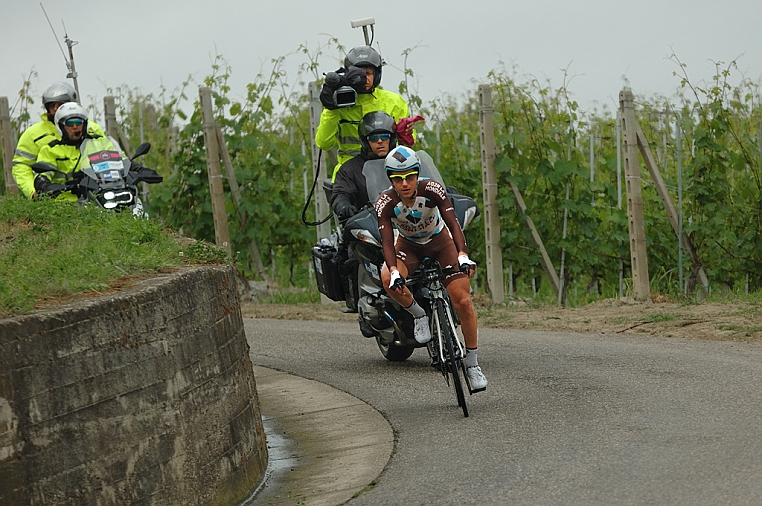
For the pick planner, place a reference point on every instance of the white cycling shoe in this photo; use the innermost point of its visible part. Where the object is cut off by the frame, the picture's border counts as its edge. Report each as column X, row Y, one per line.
column 476, row 378
column 421, row 330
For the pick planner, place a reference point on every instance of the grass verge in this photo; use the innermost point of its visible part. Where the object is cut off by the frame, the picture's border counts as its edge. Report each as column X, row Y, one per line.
column 52, row 249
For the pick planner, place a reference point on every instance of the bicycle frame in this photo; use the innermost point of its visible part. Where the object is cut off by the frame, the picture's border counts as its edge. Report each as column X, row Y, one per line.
column 442, row 324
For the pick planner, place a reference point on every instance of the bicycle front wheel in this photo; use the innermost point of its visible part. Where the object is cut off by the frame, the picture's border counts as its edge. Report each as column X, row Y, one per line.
column 453, row 362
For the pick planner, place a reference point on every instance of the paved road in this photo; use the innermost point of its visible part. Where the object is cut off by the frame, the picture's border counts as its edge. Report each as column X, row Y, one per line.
column 566, row 419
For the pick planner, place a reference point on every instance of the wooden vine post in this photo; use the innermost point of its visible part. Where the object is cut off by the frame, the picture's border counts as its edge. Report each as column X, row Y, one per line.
column 112, row 125
column 219, row 214
column 669, row 207
column 8, row 146
column 489, row 183
column 494, row 252
column 236, row 191
column 634, row 142
column 635, row 221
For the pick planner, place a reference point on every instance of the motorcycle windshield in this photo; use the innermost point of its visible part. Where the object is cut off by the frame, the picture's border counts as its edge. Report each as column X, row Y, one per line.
column 102, row 160
column 377, row 182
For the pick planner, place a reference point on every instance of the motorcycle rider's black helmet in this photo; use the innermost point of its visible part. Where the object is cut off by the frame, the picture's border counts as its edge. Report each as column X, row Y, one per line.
column 366, row 56
column 375, row 123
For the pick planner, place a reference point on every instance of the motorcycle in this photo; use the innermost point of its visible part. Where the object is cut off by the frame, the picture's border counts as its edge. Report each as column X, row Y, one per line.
column 105, row 177
column 379, row 316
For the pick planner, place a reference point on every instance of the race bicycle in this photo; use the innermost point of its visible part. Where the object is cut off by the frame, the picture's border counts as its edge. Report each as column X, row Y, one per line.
column 445, row 348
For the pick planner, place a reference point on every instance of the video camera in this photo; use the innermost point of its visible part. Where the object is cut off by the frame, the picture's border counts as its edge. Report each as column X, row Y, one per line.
column 343, row 86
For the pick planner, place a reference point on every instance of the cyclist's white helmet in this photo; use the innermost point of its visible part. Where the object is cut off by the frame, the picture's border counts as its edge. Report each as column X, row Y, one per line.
column 402, row 160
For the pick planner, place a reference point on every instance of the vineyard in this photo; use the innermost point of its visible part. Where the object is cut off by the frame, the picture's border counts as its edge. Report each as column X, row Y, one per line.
column 706, row 140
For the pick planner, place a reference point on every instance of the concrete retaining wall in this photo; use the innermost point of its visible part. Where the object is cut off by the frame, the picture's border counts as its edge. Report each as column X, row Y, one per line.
column 146, row 397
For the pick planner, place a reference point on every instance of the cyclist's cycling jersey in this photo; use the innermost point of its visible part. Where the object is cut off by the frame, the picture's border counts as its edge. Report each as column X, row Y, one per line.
column 430, row 213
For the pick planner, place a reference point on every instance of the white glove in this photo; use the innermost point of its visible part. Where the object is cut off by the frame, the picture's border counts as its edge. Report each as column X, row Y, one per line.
column 395, row 276
column 466, row 263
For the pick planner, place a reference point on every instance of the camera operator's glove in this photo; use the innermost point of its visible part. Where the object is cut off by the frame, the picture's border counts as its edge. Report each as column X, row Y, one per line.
column 466, row 264
column 333, row 81
column 396, row 281
column 345, row 210
column 326, row 98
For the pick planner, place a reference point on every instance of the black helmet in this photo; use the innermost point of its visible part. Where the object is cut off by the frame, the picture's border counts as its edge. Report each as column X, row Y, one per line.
column 366, row 56
column 59, row 92
column 376, row 122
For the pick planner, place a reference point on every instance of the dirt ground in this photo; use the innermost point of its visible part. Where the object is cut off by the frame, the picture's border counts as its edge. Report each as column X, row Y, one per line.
column 726, row 321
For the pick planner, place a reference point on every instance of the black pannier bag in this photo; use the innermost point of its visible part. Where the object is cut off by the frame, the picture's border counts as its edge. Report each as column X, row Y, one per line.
column 327, row 262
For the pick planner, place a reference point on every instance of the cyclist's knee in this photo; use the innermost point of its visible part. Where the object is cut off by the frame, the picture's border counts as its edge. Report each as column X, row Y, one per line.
column 460, row 296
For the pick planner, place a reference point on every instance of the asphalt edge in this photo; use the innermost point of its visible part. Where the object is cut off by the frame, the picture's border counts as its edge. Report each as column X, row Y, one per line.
column 337, row 445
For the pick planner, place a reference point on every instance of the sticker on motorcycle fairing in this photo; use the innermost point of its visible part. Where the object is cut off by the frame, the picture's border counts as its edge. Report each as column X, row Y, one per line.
column 372, row 269
column 106, row 160
column 110, row 176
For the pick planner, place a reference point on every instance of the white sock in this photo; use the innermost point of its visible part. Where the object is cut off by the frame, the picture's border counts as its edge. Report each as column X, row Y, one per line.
column 416, row 310
column 470, row 360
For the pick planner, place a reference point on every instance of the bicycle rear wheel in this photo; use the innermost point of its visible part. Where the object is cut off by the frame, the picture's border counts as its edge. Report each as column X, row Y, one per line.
column 453, row 363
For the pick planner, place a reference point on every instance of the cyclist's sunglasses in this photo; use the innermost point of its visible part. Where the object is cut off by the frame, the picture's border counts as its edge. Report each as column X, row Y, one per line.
column 74, row 122
column 379, row 137
column 404, row 177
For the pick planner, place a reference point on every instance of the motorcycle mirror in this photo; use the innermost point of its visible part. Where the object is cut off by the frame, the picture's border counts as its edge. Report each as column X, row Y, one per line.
column 41, row 168
column 142, row 150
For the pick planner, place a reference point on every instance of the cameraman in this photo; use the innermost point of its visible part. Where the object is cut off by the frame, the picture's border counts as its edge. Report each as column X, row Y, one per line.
column 338, row 125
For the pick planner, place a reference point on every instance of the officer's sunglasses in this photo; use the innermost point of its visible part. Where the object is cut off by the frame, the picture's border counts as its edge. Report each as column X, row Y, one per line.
column 74, row 122
column 379, row 137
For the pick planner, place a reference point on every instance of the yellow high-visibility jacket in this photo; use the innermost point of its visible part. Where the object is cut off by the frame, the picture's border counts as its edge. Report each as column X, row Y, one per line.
column 28, row 148
column 338, row 127
column 67, row 158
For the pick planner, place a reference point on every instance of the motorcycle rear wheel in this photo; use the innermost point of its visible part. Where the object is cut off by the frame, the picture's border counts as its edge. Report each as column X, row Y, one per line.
column 394, row 353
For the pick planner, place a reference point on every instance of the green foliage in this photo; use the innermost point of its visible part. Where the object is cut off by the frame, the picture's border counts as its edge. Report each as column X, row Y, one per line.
column 544, row 150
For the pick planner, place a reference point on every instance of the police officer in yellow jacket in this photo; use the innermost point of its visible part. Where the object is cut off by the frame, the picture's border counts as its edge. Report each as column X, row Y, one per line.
column 66, row 153
column 338, row 125
column 40, row 134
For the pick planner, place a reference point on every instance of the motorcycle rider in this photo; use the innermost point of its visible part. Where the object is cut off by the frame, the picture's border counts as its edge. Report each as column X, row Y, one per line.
column 338, row 125
column 427, row 227
column 63, row 153
column 350, row 194
column 377, row 136
column 40, row 134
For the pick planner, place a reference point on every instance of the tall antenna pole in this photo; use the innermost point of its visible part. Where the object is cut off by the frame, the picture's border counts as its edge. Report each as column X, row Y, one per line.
column 70, row 61
column 72, row 71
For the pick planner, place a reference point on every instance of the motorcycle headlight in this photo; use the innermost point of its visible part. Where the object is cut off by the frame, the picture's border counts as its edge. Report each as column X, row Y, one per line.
column 112, row 199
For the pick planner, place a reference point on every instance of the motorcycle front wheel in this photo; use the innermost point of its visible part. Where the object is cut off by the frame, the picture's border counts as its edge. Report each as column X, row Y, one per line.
column 394, row 353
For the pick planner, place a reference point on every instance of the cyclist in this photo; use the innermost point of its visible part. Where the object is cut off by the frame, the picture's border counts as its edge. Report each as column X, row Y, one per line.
column 427, row 227
column 338, row 125
column 40, row 134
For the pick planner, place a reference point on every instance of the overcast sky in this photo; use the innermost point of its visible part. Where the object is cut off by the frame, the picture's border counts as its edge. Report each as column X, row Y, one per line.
column 143, row 44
